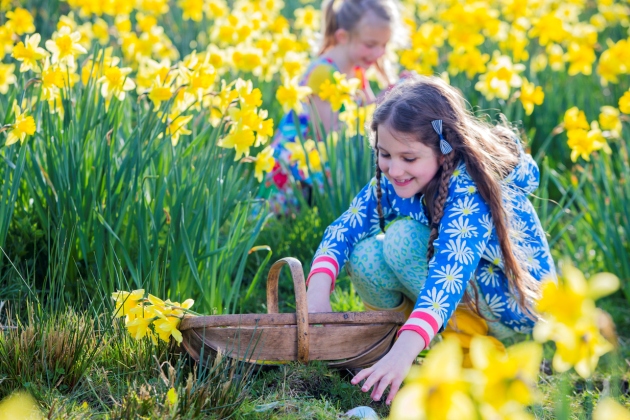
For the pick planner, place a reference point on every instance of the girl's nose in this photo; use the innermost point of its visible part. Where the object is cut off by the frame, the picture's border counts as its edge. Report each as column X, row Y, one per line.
column 395, row 170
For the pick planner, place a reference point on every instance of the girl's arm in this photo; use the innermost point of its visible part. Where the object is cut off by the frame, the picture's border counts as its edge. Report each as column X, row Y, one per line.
column 318, row 293
column 322, row 111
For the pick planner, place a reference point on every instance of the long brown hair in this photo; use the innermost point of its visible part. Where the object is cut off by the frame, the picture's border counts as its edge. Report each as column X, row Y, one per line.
column 489, row 152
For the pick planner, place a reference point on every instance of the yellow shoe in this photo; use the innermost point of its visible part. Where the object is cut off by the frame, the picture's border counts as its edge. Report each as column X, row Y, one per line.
column 464, row 325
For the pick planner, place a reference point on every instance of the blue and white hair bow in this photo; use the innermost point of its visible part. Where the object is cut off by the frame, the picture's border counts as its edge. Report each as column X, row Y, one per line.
column 445, row 147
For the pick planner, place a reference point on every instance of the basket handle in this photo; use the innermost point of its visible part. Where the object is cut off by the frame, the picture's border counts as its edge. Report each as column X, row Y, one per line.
column 301, row 306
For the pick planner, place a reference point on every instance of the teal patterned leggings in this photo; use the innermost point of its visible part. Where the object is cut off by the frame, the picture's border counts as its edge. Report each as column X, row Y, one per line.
column 386, row 267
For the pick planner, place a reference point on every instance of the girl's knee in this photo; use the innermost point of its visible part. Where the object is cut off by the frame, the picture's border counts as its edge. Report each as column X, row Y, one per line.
column 405, row 243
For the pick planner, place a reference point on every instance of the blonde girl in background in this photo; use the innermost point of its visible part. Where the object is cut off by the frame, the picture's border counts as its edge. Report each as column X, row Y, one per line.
column 355, row 36
column 461, row 238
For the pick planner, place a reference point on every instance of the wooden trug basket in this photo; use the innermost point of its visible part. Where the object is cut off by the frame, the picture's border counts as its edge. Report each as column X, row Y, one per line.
column 344, row 339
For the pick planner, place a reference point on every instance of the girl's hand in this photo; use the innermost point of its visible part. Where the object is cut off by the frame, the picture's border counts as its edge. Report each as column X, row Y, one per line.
column 318, row 293
column 392, row 368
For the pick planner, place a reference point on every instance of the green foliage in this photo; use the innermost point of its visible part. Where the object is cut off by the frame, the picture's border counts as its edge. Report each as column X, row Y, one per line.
column 281, row 393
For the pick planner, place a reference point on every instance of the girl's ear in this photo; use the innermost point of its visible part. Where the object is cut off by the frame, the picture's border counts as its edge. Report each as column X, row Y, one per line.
column 342, row 36
column 441, row 159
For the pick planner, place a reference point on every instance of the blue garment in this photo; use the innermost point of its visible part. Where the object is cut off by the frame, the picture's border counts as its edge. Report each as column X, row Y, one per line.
column 467, row 244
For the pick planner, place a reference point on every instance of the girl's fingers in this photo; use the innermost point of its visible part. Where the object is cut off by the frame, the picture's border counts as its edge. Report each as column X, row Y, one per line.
column 379, row 389
column 371, row 380
column 393, row 390
column 361, row 375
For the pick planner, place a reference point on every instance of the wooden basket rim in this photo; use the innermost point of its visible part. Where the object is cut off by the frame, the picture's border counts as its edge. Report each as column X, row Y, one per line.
column 261, row 320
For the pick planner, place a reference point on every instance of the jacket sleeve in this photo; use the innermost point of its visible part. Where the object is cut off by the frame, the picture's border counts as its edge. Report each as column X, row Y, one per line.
column 461, row 242
column 358, row 222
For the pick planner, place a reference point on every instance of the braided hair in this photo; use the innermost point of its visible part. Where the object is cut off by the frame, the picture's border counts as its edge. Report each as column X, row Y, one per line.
column 489, row 153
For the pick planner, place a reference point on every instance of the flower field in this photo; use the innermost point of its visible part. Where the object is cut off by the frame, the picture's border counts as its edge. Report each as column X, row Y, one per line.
column 135, row 144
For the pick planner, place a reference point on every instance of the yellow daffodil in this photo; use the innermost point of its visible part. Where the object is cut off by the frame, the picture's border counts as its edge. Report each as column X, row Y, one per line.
column 355, row 117
column 530, row 95
column 581, row 58
column 6, row 41
column 507, row 380
column 20, row 21
column 171, row 397
column 291, row 95
column 241, row 138
column 29, row 53
column 501, row 77
column 248, row 60
column 176, row 126
column 192, row 9
column 293, row 64
column 139, row 326
column 7, row 77
column 100, row 29
column 340, row 92
column 52, row 80
column 307, row 18
column 65, row 46
column 249, row 96
column 583, row 143
column 570, row 319
column 609, row 120
column 549, row 28
column 159, row 93
column 624, row 103
column 23, row 126
column 575, row 119
column 126, row 301
column 264, row 163
column 20, row 405
column 471, row 61
column 607, row 409
column 437, row 389
column 556, row 57
column 167, row 327
column 115, row 82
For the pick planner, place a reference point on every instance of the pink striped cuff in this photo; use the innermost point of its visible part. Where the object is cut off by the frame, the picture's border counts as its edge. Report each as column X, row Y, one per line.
column 424, row 322
column 325, row 264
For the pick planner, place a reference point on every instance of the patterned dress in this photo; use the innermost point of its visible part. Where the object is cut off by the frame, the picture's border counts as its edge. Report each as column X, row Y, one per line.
column 466, row 248
column 277, row 187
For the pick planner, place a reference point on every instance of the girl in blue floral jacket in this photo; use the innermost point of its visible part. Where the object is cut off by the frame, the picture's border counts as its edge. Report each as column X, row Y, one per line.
column 445, row 223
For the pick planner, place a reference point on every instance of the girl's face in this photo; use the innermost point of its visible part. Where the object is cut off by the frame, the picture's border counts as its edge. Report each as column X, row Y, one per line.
column 368, row 41
column 408, row 164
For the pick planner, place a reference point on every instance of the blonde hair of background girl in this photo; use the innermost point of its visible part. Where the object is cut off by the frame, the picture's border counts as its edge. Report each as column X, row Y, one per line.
column 489, row 152
column 346, row 14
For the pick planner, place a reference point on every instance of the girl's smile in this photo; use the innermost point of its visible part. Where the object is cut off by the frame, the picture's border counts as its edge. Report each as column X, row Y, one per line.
column 406, row 162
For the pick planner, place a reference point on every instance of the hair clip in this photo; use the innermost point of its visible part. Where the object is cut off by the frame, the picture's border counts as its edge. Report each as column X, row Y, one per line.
column 445, row 147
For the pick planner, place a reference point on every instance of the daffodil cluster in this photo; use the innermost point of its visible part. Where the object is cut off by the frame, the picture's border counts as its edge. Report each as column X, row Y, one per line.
column 500, row 384
column 585, row 138
column 150, row 317
column 571, row 319
column 493, row 42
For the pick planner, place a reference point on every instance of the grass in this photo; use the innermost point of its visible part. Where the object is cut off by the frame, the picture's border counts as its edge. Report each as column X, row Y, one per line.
column 78, row 366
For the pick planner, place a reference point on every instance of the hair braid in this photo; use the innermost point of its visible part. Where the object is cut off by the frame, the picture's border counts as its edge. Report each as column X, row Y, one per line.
column 379, row 192
column 448, row 166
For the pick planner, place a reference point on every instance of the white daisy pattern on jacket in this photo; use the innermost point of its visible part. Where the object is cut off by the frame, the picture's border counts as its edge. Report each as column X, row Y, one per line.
column 467, row 246
column 457, row 249
column 461, row 228
column 355, row 214
column 465, row 207
column 451, row 277
column 436, row 300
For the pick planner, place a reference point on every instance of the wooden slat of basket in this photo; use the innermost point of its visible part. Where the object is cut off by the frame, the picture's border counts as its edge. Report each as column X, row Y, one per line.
column 279, row 343
column 261, row 320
